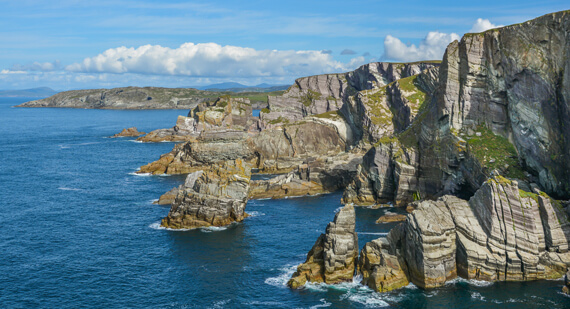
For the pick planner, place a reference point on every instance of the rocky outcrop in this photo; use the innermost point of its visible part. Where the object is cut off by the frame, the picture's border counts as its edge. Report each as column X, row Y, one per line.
column 391, row 217
column 125, row 98
column 566, row 287
column 130, row 132
column 223, row 114
column 515, row 80
column 333, row 257
column 381, row 264
column 483, row 114
column 212, row 197
column 325, row 93
column 501, row 234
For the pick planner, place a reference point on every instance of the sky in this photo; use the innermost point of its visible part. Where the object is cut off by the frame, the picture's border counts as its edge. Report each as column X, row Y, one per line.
column 77, row 44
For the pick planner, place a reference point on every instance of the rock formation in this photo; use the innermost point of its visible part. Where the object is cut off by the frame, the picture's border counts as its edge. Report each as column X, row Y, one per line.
column 212, row 197
column 130, row 132
column 333, row 256
column 500, row 102
column 501, row 234
column 137, row 98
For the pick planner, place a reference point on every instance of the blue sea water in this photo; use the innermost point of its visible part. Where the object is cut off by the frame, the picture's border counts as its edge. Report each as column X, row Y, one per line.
column 78, row 229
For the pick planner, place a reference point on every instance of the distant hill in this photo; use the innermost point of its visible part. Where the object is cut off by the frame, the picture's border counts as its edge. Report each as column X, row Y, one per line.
column 237, row 87
column 33, row 92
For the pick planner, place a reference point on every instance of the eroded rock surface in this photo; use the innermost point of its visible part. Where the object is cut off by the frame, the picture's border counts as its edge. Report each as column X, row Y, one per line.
column 333, row 257
column 501, row 234
column 212, row 197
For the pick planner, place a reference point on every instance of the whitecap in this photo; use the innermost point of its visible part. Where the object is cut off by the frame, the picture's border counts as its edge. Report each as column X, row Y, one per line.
column 253, row 214
column 281, row 280
column 157, row 226
column 140, row 174
column 221, row 303
column 478, row 296
column 338, row 209
column 155, row 201
column 135, row 141
column 372, row 233
column 324, row 304
column 69, row 189
column 472, row 282
column 211, row 229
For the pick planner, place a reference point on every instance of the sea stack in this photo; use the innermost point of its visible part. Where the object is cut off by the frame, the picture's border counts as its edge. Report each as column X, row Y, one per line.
column 213, row 197
column 333, row 256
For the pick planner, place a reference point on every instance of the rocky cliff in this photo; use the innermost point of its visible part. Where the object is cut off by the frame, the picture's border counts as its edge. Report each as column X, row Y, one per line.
column 501, row 234
column 211, row 197
column 333, row 256
column 484, row 113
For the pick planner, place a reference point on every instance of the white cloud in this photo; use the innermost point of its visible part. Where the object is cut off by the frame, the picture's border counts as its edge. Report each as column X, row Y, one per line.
column 37, row 66
column 12, row 72
column 431, row 47
column 483, row 25
column 209, row 60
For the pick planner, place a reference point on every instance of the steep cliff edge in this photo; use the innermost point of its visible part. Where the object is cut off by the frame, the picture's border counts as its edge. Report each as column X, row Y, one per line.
column 500, row 103
column 501, row 234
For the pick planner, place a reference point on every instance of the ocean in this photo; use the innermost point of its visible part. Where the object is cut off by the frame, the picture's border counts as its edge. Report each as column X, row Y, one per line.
column 79, row 229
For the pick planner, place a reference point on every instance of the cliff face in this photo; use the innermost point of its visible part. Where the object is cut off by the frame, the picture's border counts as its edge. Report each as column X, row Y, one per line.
column 516, row 81
column 501, row 234
column 500, row 103
column 325, row 93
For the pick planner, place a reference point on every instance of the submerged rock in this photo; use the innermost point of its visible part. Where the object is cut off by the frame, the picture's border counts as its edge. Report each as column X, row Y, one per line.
column 130, row 132
column 333, row 256
column 213, row 197
column 391, row 217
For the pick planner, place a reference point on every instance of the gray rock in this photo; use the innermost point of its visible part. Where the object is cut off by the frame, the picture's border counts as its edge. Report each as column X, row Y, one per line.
column 333, row 257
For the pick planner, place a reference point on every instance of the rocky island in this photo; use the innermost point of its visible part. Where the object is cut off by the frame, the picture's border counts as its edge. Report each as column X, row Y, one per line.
column 141, row 98
column 477, row 146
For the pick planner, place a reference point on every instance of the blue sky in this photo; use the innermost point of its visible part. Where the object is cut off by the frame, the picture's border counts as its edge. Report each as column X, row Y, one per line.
column 73, row 44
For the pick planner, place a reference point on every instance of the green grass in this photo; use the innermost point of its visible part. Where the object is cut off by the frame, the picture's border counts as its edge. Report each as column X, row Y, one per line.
column 489, row 147
column 333, row 115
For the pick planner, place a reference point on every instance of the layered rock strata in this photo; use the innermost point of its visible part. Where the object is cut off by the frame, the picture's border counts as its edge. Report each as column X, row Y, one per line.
column 216, row 196
column 333, row 256
column 501, row 234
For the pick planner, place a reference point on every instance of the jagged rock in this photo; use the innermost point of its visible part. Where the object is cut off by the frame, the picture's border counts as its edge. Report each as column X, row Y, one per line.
column 566, row 287
column 213, row 197
column 391, row 217
column 333, row 257
column 514, row 80
column 325, row 93
column 130, row 132
column 223, row 114
column 382, row 270
column 168, row 197
column 501, row 234
column 429, row 245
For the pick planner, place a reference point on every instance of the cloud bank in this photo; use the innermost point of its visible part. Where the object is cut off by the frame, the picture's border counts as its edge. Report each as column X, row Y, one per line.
column 483, row 25
column 210, row 60
column 431, row 47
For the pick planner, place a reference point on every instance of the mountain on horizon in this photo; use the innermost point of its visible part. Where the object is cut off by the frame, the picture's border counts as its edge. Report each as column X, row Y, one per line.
column 237, row 87
column 32, row 92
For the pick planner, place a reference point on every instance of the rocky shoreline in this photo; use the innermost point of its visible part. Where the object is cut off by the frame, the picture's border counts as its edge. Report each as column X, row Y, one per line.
column 476, row 147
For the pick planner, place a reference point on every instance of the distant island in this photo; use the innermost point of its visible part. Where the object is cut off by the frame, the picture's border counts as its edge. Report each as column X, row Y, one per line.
column 146, row 98
column 32, row 92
